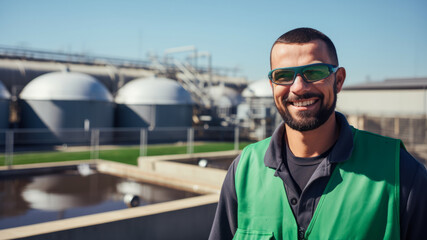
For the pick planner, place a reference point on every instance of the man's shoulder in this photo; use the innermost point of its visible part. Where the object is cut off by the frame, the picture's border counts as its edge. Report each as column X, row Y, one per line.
column 408, row 163
column 253, row 154
column 372, row 134
column 257, row 145
column 411, row 166
column 376, row 142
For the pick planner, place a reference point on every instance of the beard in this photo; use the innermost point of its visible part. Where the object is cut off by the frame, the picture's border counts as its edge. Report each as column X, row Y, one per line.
column 308, row 120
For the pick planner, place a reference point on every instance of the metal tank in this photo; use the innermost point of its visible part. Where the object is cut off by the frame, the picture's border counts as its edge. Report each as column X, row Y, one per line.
column 4, row 112
column 16, row 72
column 257, row 112
column 225, row 101
column 67, row 104
column 4, row 106
column 160, row 104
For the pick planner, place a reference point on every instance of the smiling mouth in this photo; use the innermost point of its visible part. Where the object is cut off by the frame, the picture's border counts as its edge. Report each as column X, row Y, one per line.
column 303, row 103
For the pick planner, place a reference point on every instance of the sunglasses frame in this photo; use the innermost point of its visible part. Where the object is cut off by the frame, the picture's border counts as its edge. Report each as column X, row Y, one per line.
column 299, row 70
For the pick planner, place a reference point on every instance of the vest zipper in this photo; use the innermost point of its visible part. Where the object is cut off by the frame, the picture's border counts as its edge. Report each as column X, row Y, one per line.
column 301, row 233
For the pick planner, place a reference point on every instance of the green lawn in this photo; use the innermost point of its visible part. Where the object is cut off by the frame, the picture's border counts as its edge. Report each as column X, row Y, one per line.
column 126, row 155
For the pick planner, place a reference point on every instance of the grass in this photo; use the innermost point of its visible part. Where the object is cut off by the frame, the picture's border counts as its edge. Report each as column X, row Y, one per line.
column 128, row 155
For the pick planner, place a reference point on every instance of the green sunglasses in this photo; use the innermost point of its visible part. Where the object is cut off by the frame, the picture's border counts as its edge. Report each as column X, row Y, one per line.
column 310, row 73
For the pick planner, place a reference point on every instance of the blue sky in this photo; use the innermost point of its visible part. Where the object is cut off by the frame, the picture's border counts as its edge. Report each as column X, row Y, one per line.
column 375, row 39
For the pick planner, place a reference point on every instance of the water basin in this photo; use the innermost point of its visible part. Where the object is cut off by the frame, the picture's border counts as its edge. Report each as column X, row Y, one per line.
column 66, row 193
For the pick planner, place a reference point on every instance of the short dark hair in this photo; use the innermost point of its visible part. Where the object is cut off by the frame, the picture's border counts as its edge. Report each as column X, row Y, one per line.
column 305, row 35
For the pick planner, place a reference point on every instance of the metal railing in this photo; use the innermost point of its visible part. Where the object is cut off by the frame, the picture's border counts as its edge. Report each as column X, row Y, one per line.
column 31, row 144
column 411, row 130
column 91, row 143
column 190, row 82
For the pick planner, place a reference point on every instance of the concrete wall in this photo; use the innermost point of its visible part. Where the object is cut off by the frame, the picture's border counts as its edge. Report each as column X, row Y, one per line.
column 165, row 165
column 383, row 102
column 182, row 219
column 189, row 223
column 189, row 218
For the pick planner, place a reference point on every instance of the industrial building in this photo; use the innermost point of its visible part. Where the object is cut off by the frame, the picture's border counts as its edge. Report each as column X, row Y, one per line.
column 394, row 107
column 66, row 100
column 165, row 93
column 57, row 91
column 392, row 97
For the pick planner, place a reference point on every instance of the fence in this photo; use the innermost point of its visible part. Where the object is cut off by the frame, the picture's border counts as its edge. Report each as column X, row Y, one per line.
column 412, row 130
column 94, row 143
column 33, row 145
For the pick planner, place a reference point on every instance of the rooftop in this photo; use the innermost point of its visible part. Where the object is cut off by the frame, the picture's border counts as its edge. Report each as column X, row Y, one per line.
column 397, row 83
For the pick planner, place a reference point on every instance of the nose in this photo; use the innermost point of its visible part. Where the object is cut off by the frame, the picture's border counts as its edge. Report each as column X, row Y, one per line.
column 299, row 86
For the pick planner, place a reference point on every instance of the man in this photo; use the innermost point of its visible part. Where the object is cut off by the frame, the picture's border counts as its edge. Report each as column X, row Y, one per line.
column 317, row 177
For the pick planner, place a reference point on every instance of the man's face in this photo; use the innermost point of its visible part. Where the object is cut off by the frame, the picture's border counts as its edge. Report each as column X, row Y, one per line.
column 305, row 106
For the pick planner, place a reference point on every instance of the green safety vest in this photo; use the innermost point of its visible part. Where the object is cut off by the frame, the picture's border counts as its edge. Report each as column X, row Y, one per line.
column 360, row 201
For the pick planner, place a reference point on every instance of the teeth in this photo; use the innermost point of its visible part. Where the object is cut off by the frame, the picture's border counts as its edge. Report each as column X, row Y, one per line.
column 303, row 103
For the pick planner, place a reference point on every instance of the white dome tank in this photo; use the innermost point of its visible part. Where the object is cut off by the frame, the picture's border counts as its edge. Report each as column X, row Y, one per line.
column 225, row 96
column 259, row 102
column 4, row 93
column 64, row 100
column 66, row 86
column 155, row 103
column 158, row 91
column 260, row 89
column 4, row 108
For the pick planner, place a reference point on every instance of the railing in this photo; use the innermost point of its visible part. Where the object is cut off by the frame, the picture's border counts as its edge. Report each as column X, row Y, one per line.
column 70, row 57
column 21, row 146
column 411, row 130
column 190, row 82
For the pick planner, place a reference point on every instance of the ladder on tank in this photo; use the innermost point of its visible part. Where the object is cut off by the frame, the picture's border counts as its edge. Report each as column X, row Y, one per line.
column 194, row 83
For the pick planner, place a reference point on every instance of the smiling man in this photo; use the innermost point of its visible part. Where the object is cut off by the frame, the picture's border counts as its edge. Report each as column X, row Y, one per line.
column 317, row 177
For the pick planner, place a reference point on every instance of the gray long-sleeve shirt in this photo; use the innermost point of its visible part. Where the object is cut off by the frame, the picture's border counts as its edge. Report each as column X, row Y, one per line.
column 413, row 187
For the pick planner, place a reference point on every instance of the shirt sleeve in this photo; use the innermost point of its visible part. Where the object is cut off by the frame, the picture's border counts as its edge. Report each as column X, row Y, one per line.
column 413, row 197
column 225, row 222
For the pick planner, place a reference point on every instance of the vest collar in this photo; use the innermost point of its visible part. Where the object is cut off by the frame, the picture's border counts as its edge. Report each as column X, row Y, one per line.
column 341, row 151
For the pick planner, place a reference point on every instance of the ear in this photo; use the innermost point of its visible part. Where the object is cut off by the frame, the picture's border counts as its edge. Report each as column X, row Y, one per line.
column 340, row 78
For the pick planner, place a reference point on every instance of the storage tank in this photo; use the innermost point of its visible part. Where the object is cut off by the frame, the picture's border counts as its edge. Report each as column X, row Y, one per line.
column 225, row 100
column 4, row 112
column 258, row 100
column 258, row 89
column 160, row 104
column 258, row 112
column 4, row 107
column 225, row 96
column 66, row 103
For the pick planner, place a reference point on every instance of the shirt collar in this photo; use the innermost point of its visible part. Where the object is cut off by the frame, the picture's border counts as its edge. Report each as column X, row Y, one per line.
column 340, row 152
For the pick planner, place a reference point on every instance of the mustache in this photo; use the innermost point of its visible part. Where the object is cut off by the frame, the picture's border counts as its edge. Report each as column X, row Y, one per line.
column 292, row 98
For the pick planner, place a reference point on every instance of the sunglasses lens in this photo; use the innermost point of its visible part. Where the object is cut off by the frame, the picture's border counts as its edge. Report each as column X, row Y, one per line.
column 310, row 73
column 316, row 72
column 282, row 76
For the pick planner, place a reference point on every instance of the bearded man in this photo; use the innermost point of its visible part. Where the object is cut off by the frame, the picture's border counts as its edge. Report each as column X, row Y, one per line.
column 317, row 177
